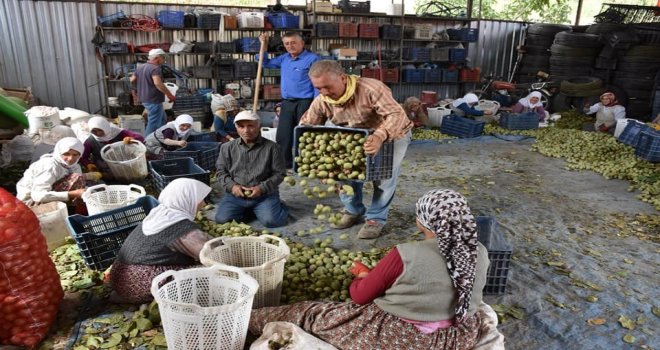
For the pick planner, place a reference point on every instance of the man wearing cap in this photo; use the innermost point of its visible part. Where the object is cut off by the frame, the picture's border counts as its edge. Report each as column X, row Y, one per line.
column 297, row 89
column 151, row 90
column 250, row 170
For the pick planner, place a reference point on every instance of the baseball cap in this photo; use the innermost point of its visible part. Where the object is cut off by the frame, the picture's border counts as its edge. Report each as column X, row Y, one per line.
column 246, row 115
column 156, row 52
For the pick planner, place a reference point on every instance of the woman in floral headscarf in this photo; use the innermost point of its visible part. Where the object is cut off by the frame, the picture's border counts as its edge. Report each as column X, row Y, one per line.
column 608, row 111
column 169, row 137
column 421, row 294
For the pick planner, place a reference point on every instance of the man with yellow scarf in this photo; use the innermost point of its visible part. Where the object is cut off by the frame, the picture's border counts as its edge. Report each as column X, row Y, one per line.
column 355, row 102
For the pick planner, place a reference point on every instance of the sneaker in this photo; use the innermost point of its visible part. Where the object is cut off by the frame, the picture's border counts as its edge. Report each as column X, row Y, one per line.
column 347, row 220
column 370, row 230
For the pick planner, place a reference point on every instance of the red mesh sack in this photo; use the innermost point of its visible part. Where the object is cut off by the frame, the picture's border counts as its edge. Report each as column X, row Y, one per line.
column 30, row 290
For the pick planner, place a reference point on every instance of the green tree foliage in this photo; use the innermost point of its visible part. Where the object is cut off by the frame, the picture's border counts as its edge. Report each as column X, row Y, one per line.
column 548, row 11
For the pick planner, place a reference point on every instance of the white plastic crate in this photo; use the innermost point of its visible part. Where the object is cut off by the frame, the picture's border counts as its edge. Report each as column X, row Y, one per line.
column 269, row 133
column 424, row 31
column 256, row 256
column 132, row 122
column 102, row 198
column 251, row 20
column 205, row 308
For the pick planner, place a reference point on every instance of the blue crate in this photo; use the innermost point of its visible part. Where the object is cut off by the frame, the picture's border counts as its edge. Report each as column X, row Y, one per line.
column 519, row 121
column 449, row 76
column 416, row 53
column 99, row 237
column 249, row 45
column 630, row 135
column 461, row 127
column 463, row 34
column 648, row 145
column 171, row 19
column 284, row 20
column 432, row 75
column 108, row 21
column 499, row 254
column 457, row 55
column 205, row 154
column 165, row 171
column 412, row 75
column 379, row 166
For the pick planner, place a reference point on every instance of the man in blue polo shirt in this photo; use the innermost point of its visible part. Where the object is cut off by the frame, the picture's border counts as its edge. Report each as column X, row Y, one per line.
column 296, row 87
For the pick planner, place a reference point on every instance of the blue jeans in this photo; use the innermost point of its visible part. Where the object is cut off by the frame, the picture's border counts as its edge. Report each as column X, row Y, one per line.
column 269, row 209
column 155, row 117
column 383, row 189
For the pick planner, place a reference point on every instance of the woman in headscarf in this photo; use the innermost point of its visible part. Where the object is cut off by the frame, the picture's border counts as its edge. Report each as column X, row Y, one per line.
column 421, row 294
column 103, row 133
column 608, row 111
column 464, row 107
column 170, row 136
column 413, row 108
column 223, row 122
column 48, row 141
column 531, row 103
column 167, row 239
column 55, row 176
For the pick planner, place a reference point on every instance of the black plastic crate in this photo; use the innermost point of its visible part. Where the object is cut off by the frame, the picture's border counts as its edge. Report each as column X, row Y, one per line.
column 203, row 47
column 225, row 47
column 202, row 137
column 114, row 48
column 461, row 127
column 648, row 145
column 245, row 69
column 463, row 34
column 348, row 6
column 449, row 76
column 199, row 114
column 519, row 121
column 223, row 72
column 327, row 30
column 187, row 100
column 205, row 154
column 99, row 237
column 391, row 32
column 209, row 21
column 499, row 254
column 379, row 166
column 202, row 72
column 165, row 171
column 272, row 72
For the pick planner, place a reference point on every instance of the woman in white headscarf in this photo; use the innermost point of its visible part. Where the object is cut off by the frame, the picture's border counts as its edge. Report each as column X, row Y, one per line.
column 464, row 107
column 167, row 239
column 48, row 141
column 103, row 133
column 608, row 112
column 55, row 176
column 421, row 294
column 531, row 103
column 169, row 137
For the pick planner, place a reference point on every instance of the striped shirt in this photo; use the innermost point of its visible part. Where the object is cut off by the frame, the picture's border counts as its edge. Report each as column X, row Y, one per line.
column 371, row 107
column 260, row 164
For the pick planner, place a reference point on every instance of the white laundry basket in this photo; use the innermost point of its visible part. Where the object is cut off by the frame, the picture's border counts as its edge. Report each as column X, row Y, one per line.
column 205, row 308
column 102, row 198
column 261, row 257
column 127, row 162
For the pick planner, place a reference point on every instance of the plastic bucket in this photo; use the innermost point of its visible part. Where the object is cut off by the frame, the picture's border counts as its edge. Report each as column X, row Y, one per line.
column 257, row 257
column 42, row 117
column 127, row 163
column 205, row 308
column 436, row 114
column 52, row 218
column 173, row 88
column 102, row 198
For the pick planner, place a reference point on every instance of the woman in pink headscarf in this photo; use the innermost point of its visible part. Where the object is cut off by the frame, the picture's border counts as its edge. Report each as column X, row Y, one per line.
column 608, row 111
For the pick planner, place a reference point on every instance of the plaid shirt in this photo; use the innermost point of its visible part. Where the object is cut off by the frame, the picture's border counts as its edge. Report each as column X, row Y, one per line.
column 371, row 107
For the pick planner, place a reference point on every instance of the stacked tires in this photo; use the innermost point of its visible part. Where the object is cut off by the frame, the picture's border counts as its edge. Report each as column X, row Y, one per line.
column 573, row 54
column 536, row 51
column 635, row 73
